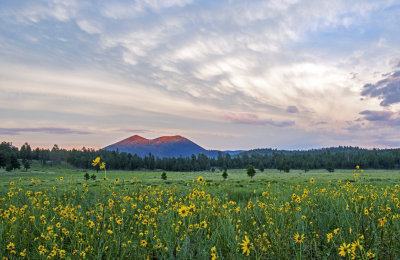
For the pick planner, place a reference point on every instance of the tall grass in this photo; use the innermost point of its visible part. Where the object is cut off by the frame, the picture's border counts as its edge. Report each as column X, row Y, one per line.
column 227, row 220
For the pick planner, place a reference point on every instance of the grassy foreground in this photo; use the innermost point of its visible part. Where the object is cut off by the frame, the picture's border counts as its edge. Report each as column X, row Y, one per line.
column 55, row 213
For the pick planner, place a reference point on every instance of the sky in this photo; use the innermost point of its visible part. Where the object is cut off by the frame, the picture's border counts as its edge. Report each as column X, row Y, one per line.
column 228, row 75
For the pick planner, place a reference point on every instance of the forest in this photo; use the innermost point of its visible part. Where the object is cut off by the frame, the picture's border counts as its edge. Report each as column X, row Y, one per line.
column 341, row 157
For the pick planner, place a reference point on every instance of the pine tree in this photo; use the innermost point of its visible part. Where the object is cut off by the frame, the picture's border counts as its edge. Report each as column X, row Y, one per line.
column 250, row 171
column 225, row 174
column 261, row 166
column 14, row 162
column 26, row 164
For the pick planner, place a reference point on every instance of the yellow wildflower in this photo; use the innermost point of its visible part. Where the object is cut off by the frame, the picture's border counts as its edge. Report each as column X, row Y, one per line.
column 329, row 236
column 245, row 246
column 183, row 211
column 382, row 221
column 102, row 165
column 343, row 249
column 10, row 246
column 297, row 238
column 96, row 161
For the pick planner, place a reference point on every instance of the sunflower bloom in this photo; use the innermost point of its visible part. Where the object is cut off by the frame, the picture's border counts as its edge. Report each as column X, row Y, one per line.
column 329, row 236
column 382, row 221
column 245, row 246
column 203, row 224
column 183, row 211
column 370, row 255
column 343, row 249
column 10, row 246
column 102, row 165
column 298, row 238
column 96, row 161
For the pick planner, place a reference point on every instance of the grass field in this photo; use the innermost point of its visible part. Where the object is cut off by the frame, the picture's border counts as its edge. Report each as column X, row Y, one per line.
column 54, row 213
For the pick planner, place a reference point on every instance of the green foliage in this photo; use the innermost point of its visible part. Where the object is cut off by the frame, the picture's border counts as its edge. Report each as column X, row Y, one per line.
column 282, row 217
column 251, row 171
column 25, row 152
column 305, row 166
column 327, row 158
column 2, row 160
column 9, row 167
column 86, row 176
column 14, row 162
column 164, row 176
column 93, row 177
column 261, row 166
column 225, row 174
column 286, row 168
column 329, row 167
column 26, row 164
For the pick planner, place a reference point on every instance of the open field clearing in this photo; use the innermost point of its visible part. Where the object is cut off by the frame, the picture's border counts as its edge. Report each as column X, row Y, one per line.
column 55, row 213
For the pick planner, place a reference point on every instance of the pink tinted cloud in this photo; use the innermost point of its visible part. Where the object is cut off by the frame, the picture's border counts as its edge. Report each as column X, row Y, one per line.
column 292, row 109
column 252, row 119
column 46, row 130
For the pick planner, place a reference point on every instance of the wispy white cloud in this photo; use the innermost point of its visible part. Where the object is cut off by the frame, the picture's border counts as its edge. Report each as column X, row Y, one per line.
column 45, row 130
column 252, row 119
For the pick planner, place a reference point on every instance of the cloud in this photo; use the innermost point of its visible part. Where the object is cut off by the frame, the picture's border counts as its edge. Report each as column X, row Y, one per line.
column 46, row 130
column 35, row 12
column 377, row 115
column 387, row 89
column 353, row 128
column 292, row 109
column 252, row 119
column 318, row 123
column 194, row 60
column 382, row 118
column 120, row 10
column 133, row 131
column 89, row 27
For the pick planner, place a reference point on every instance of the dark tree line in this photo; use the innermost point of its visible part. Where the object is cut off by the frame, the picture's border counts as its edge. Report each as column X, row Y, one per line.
column 327, row 158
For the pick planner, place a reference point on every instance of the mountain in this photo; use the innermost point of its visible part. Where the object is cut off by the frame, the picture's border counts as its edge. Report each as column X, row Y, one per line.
column 164, row 146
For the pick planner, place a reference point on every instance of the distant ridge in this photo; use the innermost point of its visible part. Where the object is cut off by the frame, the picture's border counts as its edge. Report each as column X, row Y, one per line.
column 164, row 146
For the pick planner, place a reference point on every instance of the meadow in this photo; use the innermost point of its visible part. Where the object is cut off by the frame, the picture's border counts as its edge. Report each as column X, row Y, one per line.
column 55, row 213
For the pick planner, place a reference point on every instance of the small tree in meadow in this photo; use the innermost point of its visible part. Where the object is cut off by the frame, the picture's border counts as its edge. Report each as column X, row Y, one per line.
column 329, row 167
column 164, row 176
column 250, row 171
column 286, row 168
column 93, row 177
column 87, row 176
column 26, row 164
column 225, row 174
column 305, row 167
